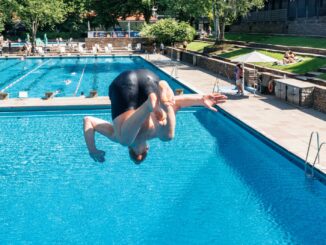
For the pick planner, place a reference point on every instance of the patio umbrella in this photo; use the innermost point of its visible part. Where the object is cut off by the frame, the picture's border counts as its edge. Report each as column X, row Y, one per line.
column 254, row 57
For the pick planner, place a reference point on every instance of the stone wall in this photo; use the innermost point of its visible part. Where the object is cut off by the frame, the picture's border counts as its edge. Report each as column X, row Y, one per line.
column 320, row 99
column 117, row 42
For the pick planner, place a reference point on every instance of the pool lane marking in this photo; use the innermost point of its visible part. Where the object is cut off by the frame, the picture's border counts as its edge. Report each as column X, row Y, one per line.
column 80, row 79
column 21, row 78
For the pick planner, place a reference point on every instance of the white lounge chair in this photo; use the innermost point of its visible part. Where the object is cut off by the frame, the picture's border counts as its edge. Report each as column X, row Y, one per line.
column 129, row 47
column 110, row 47
column 62, row 50
column 107, row 50
column 81, row 50
column 138, row 47
column 94, row 50
column 40, row 50
column 22, row 94
column 98, row 47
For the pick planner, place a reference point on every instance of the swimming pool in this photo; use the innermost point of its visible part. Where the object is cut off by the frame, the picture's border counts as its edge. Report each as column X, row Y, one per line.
column 68, row 77
column 215, row 183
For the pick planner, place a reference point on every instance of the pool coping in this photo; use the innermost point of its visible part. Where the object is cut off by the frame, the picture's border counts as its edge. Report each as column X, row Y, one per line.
column 103, row 102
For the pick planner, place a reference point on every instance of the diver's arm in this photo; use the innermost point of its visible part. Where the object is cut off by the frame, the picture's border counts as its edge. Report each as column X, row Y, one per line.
column 208, row 101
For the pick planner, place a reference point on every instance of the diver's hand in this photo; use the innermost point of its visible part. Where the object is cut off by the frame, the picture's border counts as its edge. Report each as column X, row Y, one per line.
column 98, row 155
column 213, row 99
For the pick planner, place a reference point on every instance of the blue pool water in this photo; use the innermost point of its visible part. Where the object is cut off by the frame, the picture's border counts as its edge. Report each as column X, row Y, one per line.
column 68, row 76
column 214, row 183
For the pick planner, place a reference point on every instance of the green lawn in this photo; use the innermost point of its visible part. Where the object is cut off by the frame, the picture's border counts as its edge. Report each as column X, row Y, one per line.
column 308, row 64
column 197, row 46
column 313, row 42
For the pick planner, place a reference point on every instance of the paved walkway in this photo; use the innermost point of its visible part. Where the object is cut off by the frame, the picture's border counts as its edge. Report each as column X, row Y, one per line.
column 285, row 124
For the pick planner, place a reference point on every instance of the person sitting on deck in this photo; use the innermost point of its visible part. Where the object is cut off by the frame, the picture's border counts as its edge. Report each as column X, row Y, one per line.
column 143, row 108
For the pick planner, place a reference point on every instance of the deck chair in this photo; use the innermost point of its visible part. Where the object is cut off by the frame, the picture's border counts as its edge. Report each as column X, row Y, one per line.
column 129, row 47
column 81, row 50
column 98, row 48
column 40, row 50
column 62, row 50
column 22, row 94
column 94, row 50
column 107, row 50
column 138, row 47
column 110, row 47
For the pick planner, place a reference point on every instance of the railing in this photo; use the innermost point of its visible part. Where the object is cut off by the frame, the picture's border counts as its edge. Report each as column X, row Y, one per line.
column 270, row 15
column 317, row 157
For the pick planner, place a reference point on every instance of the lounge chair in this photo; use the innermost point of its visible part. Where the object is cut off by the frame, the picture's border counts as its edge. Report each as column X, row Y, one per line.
column 62, row 50
column 138, row 47
column 129, row 47
column 107, row 50
column 94, row 50
column 81, row 50
column 40, row 50
column 110, row 47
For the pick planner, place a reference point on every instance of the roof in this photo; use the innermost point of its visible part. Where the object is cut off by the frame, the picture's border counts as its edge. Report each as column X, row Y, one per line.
column 139, row 17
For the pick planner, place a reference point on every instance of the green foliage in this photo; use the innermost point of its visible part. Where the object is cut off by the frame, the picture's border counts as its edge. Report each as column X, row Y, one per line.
column 169, row 31
column 41, row 13
column 186, row 10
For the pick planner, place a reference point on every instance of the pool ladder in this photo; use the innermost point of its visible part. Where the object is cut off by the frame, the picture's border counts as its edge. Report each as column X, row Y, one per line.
column 319, row 147
column 174, row 72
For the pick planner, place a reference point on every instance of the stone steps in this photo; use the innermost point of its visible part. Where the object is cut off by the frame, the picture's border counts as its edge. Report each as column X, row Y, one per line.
column 323, row 69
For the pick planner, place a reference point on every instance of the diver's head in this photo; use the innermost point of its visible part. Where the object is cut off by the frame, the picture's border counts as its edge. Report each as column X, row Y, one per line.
column 138, row 153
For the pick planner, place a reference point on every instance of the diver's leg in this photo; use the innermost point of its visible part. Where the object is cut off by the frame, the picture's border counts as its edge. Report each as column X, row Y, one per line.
column 131, row 126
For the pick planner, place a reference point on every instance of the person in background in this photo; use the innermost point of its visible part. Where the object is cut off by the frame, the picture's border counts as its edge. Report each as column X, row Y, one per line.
column 239, row 79
column 162, row 48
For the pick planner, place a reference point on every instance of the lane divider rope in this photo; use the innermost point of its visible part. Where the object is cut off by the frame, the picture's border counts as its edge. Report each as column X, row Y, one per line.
column 21, row 78
column 80, row 79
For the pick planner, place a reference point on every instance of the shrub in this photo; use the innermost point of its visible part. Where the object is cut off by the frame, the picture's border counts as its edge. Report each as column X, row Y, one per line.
column 169, row 31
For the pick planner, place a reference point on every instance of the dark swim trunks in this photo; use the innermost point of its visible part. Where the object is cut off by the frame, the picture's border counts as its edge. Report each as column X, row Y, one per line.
column 130, row 90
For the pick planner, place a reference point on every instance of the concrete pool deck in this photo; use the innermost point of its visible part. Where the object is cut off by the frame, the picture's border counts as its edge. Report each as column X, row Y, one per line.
column 285, row 124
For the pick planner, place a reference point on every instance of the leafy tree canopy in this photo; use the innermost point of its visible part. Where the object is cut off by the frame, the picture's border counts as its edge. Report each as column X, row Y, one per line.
column 169, row 31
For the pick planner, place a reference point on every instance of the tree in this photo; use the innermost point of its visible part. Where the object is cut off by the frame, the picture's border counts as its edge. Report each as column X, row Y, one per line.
column 6, row 7
column 227, row 11
column 35, row 14
column 169, row 31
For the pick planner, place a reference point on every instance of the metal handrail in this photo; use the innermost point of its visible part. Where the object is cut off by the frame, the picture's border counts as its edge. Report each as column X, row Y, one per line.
column 317, row 156
column 174, row 72
column 308, row 150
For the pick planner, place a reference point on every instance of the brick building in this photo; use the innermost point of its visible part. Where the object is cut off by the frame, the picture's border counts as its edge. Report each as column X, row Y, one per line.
column 299, row 17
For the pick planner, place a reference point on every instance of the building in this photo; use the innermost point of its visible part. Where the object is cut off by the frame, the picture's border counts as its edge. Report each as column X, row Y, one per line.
column 298, row 17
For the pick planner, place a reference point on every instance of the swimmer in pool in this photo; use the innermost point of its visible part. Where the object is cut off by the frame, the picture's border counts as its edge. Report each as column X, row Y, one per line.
column 143, row 108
